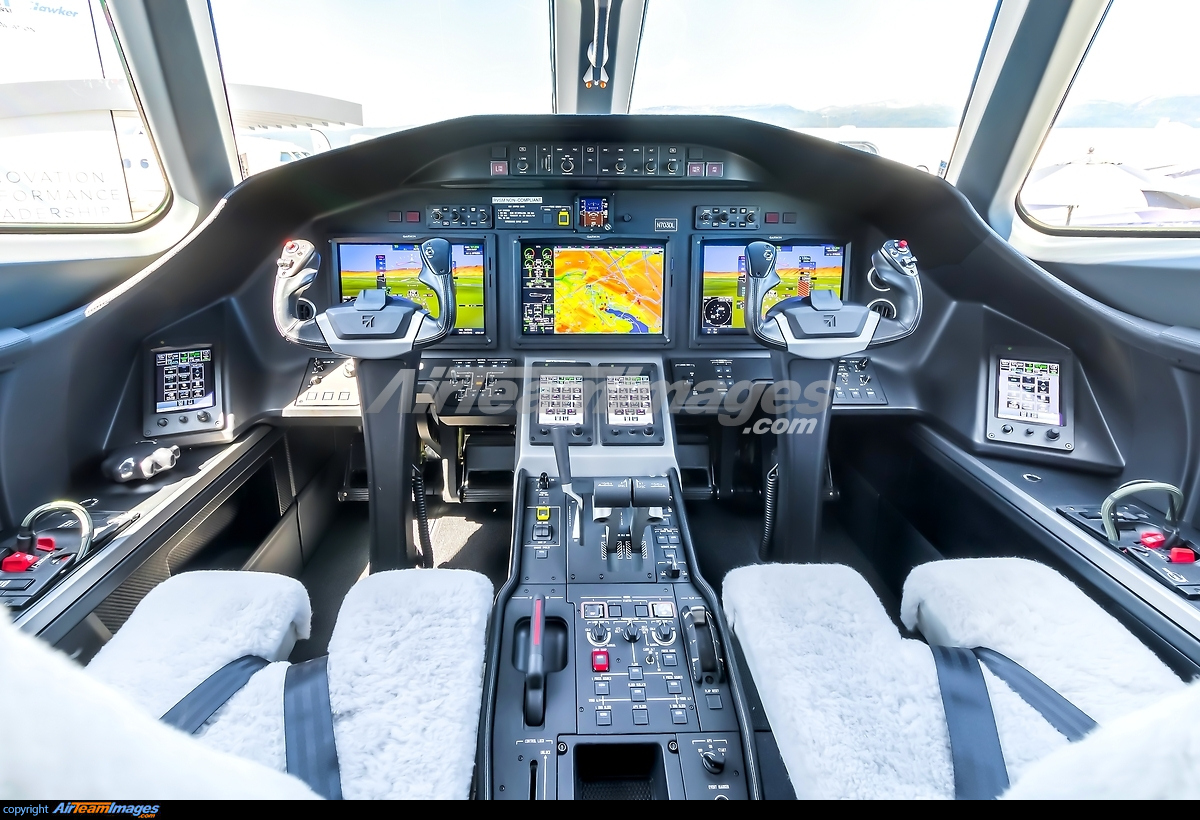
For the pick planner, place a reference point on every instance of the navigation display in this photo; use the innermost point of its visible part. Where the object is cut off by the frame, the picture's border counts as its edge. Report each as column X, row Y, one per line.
column 183, row 379
column 1029, row 392
column 560, row 399
column 629, row 401
column 591, row 289
column 363, row 266
column 803, row 268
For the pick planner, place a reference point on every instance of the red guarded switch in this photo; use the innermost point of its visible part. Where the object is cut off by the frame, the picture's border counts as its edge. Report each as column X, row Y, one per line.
column 45, row 543
column 1182, row 555
column 599, row 660
column 1153, row 539
column 18, row 562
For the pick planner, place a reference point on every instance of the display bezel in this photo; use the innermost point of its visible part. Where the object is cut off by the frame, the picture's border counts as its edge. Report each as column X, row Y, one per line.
column 488, row 338
column 513, row 301
column 696, row 337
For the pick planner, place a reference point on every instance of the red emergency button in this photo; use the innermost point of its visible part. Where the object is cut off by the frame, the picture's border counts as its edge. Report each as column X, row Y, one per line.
column 21, row 561
column 1153, row 539
column 903, row 243
column 45, row 543
column 1182, row 555
column 599, row 660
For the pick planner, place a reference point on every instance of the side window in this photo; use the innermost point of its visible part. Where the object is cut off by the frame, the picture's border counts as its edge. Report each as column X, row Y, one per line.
column 74, row 148
column 1124, row 152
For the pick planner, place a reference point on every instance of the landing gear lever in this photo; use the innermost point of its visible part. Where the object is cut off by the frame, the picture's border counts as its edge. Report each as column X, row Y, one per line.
column 535, row 668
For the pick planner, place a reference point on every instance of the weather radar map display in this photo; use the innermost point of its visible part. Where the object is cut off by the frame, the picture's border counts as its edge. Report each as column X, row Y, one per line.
column 802, row 269
column 592, row 289
column 396, row 267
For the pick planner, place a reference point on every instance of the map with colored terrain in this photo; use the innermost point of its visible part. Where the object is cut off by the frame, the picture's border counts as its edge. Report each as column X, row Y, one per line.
column 608, row 290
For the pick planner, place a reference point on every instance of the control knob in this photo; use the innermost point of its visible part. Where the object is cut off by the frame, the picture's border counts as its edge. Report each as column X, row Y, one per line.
column 630, row 633
column 663, row 632
column 650, row 166
column 438, row 215
column 599, row 633
column 672, row 166
column 620, row 166
column 522, row 166
column 713, row 760
column 567, row 165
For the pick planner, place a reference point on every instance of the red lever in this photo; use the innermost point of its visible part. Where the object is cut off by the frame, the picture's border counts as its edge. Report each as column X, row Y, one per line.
column 18, row 562
column 1153, row 539
column 1182, row 555
column 45, row 543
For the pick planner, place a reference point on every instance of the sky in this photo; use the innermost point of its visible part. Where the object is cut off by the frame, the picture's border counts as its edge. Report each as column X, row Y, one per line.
column 413, row 61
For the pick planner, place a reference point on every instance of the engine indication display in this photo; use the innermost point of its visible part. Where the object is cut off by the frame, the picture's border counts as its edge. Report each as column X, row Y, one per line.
column 1029, row 392
column 592, row 289
column 629, row 401
column 802, row 269
column 363, row 266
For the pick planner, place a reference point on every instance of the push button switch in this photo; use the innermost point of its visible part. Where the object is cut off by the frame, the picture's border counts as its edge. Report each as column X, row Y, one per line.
column 674, row 686
column 599, row 660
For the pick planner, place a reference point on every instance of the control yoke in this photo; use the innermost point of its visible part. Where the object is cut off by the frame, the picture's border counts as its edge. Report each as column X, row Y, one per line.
column 821, row 325
column 386, row 334
column 295, row 316
column 375, row 325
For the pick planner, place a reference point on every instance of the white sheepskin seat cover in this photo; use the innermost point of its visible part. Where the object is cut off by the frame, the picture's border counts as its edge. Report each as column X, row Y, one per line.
column 405, row 686
column 1151, row 754
column 855, row 708
column 70, row 737
column 192, row 624
column 1042, row 621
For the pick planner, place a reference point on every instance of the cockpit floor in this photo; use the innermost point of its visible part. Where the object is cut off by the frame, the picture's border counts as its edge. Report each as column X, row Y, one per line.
column 726, row 538
column 465, row 536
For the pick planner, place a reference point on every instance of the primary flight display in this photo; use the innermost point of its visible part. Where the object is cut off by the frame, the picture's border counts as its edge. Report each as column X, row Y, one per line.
column 592, row 289
column 802, row 269
column 363, row 266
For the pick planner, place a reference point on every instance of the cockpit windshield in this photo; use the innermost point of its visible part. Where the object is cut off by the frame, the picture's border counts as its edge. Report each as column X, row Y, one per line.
column 890, row 78
column 885, row 77
column 304, row 76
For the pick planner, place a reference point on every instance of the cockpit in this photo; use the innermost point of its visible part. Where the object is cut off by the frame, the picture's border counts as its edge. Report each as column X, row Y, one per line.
column 598, row 400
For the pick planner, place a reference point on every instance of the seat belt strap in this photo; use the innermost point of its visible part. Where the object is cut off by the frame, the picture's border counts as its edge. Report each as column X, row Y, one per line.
column 198, row 705
column 309, row 745
column 979, row 770
column 1059, row 712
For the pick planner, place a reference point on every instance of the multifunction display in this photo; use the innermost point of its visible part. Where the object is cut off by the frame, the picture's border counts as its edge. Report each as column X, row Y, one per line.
column 363, row 266
column 802, row 269
column 580, row 289
column 560, row 399
column 629, row 401
column 1029, row 392
column 183, row 379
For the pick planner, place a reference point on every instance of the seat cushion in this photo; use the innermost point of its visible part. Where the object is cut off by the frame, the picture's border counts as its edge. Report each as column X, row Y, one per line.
column 67, row 736
column 1042, row 621
column 192, row 624
column 405, row 686
column 855, row 708
column 1150, row 754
